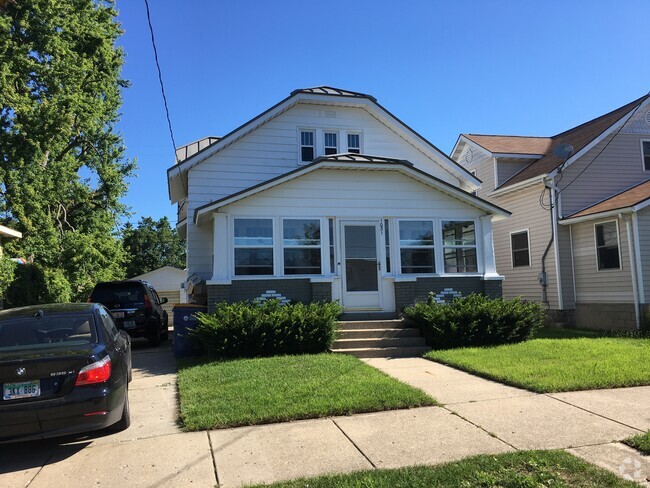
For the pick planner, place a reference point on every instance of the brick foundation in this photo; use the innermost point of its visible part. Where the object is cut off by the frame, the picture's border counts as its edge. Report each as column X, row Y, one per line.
column 409, row 292
column 605, row 316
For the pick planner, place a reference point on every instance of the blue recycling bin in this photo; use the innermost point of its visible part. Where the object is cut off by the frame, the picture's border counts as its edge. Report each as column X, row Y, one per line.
column 184, row 321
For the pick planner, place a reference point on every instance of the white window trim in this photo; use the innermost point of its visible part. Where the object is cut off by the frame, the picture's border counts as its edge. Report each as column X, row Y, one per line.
column 338, row 141
column 435, row 246
column 465, row 246
column 300, row 146
column 321, row 246
column 618, row 243
column 530, row 257
column 641, row 141
column 234, row 247
column 354, row 132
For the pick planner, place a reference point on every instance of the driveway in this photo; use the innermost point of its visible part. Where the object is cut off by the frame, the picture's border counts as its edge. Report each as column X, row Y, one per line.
column 151, row 453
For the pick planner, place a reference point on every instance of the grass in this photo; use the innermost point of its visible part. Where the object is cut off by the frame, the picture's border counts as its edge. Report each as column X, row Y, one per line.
column 264, row 390
column 566, row 333
column 640, row 442
column 521, row 469
column 552, row 365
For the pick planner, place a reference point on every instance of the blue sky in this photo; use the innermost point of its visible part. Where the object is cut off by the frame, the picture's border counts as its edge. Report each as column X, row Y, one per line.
column 496, row 67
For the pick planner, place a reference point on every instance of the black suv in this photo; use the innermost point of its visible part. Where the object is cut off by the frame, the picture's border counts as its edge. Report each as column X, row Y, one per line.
column 135, row 306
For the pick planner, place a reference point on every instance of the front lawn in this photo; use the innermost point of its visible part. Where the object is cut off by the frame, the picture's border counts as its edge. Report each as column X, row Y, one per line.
column 551, row 365
column 520, row 469
column 640, row 442
column 275, row 389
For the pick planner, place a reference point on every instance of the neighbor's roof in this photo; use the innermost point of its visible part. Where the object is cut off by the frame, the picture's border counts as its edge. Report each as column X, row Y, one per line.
column 189, row 150
column 579, row 137
column 329, row 90
column 627, row 198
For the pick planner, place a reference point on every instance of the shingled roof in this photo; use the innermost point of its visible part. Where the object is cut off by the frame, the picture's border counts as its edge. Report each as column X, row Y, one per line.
column 578, row 137
column 627, row 198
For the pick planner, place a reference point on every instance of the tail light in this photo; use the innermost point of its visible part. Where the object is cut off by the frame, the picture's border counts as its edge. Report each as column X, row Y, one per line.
column 147, row 303
column 97, row 372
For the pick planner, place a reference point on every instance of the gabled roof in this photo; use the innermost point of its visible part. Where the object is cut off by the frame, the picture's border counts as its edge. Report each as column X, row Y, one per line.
column 579, row 137
column 356, row 161
column 319, row 95
column 631, row 197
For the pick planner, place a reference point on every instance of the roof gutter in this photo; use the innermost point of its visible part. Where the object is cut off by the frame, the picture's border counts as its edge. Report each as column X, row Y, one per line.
column 597, row 216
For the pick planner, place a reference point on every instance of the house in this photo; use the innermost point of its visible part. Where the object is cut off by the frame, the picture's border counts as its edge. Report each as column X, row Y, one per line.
column 595, row 238
column 168, row 282
column 328, row 196
column 7, row 233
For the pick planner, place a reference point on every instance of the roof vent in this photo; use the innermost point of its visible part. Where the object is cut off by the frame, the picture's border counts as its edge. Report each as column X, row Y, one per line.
column 647, row 117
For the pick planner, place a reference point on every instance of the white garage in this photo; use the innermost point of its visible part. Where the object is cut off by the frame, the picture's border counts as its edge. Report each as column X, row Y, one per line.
column 168, row 282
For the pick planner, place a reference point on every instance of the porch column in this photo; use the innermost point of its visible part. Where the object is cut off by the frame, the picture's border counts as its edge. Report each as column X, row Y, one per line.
column 220, row 233
column 489, row 264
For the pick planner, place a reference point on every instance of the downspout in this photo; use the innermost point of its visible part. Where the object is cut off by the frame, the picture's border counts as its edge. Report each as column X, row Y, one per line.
column 631, row 251
column 543, row 277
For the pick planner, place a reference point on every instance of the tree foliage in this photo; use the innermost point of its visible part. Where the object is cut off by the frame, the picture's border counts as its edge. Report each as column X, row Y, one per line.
column 151, row 245
column 63, row 172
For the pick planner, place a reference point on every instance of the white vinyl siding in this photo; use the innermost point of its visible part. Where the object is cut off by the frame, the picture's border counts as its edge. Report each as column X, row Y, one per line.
column 604, row 286
column 482, row 166
column 507, row 168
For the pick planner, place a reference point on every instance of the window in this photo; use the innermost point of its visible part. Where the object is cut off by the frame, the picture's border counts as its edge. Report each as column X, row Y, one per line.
column 331, row 144
column 302, row 252
column 459, row 247
column 387, row 244
column 645, row 150
column 253, row 247
column 607, row 245
column 307, row 146
column 354, row 143
column 109, row 325
column 333, row 267
column 416, row 246
column 520, row 249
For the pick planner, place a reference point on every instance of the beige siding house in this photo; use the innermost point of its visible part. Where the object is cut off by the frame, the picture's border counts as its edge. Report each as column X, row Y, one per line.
column 580, row 205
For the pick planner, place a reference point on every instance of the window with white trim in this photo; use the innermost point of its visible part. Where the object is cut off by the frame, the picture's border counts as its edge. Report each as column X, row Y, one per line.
column 387, row 244
column 645, row 149
column 459, row 246
column 253, row 243
column 354, row 143
column 307, row 147
column 301, row 246
column 331, row 143
column 607, row 245
column 520, row 249
column 332, row 247
column 416, row 247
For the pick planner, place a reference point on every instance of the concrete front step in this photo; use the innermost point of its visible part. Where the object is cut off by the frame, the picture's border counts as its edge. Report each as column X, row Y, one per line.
column 370, row 333
column 376, row 342
column 385, row 352
column 371, row 324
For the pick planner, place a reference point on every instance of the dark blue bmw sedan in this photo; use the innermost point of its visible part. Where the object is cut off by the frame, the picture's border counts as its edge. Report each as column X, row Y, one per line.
column 64, row 369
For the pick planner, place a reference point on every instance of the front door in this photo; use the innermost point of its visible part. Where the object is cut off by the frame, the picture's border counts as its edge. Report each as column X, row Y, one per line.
column 361, row 266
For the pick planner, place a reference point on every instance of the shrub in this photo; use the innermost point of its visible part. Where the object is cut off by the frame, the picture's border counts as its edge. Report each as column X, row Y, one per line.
column 7, row 274
column 251, row 329
column 475, row 320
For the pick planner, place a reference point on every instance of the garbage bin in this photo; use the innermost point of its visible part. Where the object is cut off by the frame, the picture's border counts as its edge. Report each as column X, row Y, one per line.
column 184, row 321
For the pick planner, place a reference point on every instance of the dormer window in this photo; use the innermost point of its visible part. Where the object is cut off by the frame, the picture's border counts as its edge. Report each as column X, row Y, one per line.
column 354, row 143
column 307, row 148
column 331, row 143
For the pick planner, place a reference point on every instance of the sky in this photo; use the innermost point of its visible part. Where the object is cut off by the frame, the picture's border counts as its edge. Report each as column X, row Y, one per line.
column 495, row 67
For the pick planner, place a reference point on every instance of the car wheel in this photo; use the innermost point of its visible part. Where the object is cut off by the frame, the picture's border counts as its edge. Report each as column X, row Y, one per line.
column 125, row 421
column 155, row 336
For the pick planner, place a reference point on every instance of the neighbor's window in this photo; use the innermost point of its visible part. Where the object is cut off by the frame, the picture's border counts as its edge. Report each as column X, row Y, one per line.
column 302, row 251
column 331, row 145
column 387, row 244
column 459, row 247
column 354, row 143
column 645, row 147
column 333, row 267
column 607, row 245
column 307, row 145
column 416, row 246
column 519, row 249
column 253, row 247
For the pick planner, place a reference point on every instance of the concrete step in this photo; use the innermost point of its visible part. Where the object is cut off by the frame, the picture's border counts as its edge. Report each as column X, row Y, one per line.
column 385, row 352
column 376, row 342
column 356, row 316
column 370, row 333
column 370, row 324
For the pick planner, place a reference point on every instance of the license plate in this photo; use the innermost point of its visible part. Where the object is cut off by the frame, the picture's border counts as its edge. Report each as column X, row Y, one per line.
column 129, row 324
column 27, row 389
column 118, row 315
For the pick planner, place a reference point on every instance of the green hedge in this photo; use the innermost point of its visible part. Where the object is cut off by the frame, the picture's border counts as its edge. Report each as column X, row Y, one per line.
column 475, row 320
column 251, row 329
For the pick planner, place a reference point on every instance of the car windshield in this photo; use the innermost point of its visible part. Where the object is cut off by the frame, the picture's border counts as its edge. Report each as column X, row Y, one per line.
column 122, row 295
column 40, row 332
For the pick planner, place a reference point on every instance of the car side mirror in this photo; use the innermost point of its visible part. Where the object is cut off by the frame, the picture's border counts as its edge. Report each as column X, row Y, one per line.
column 163, row 300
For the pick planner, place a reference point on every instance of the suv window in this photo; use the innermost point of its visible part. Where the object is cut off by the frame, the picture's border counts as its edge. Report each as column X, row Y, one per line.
column 119, row 295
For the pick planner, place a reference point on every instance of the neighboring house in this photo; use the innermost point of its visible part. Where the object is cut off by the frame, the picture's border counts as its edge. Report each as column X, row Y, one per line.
column 7, row 233
column 598, row 264
column 327, row 195
column 169, row 283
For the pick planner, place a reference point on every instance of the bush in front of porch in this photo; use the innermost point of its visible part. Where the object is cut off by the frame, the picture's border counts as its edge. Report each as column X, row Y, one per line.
column 475, row 320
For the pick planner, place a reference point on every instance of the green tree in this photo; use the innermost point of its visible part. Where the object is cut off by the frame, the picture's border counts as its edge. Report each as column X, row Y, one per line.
column 63, row 171
column 151, row 245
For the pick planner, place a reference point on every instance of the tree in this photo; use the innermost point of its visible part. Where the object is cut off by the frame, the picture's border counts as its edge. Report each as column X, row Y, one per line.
column 62, row 173
column 151, row 245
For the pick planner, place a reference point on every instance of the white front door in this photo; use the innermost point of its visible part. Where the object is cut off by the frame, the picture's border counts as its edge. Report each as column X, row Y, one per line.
column 361, row 265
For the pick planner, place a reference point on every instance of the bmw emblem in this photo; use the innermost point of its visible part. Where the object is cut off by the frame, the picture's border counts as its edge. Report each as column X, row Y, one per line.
column 21, row 371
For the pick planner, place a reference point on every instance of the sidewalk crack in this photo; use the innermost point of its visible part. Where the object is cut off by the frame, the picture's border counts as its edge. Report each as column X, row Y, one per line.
column 594, row 413
column 354, row 444
column 214, row 461
column 491, row 434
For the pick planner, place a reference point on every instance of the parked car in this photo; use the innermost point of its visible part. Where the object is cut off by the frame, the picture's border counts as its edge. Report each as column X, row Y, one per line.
column 136, row 306
column 64, row 369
